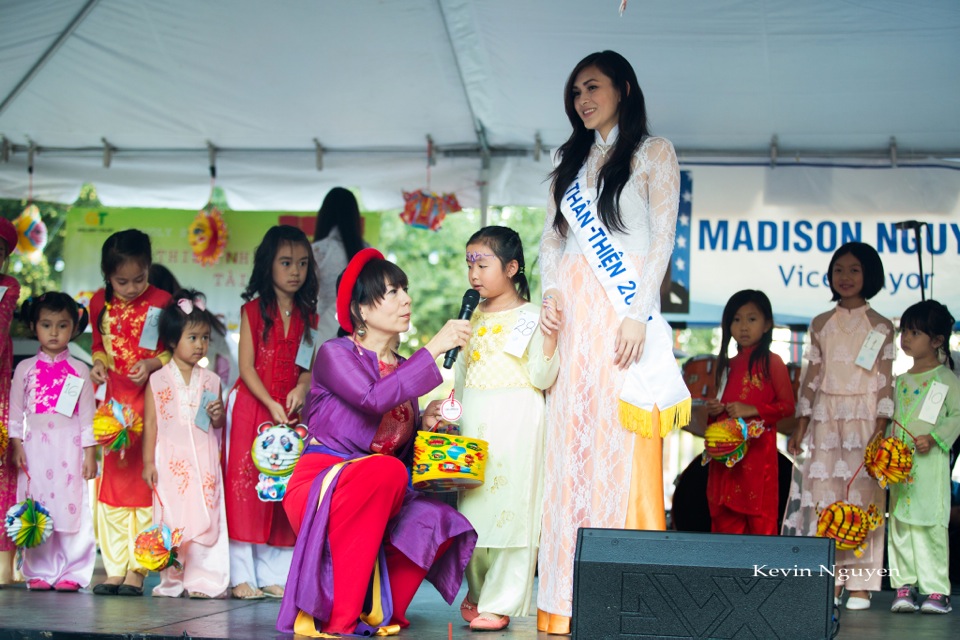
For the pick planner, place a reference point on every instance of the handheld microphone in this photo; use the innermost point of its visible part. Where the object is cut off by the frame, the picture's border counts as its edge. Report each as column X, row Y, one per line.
column 908, row 224
column 470, row 301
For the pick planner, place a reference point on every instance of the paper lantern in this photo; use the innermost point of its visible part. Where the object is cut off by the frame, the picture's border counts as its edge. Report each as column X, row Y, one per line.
column 156, row 548
column 889, row 461
column 726, row 440
column 444, row 462
column 31, row 232
column 427, row 210
column 83, row 298
column 207, row 235
column 28, row 524
column 277, row 448
column 848, row 525
column 116, row 426
column 271, row 488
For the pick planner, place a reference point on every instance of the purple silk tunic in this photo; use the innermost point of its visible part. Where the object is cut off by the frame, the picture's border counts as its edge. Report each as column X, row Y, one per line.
column 344, row 408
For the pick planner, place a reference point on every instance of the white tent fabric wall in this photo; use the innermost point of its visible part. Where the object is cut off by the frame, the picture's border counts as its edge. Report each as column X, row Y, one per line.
column 370, row 80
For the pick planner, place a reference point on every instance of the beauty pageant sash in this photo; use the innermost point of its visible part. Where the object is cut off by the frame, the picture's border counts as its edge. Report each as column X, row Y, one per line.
column 655, row 381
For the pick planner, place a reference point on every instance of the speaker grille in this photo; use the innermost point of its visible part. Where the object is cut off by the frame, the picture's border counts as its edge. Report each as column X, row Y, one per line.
column 655, row 584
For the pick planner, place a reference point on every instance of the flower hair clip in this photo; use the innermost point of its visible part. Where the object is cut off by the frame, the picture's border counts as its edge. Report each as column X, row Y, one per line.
column 186, row 304
column 473, row 256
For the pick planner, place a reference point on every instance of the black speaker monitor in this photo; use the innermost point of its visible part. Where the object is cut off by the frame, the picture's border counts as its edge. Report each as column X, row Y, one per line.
column 629, row 585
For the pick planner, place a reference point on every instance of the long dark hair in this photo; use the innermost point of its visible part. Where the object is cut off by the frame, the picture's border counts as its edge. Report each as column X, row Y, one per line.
column 506, row 245
column 130, row 244
column 261, row 280
column 760, row 358
column 932, row 318
column 632, row 120
column 341, row 210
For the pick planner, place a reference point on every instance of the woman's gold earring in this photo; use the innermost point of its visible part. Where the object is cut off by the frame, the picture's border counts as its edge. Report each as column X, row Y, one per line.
column 361, row 332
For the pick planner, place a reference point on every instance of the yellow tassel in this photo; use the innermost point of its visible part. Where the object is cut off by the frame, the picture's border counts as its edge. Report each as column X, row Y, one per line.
column 641, row 421
column 636, row 419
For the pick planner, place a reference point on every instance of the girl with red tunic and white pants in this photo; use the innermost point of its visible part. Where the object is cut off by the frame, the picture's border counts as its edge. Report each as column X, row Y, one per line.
column 275, row 328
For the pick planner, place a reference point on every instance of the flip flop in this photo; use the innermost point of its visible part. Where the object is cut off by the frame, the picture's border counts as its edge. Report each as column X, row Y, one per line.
column 255, row 594
column 273, row 591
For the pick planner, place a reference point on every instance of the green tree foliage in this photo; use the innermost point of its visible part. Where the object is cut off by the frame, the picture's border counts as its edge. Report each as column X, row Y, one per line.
column 435, row 262
column 37, row 276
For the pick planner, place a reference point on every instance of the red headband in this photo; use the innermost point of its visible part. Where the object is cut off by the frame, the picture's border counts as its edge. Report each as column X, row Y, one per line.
column 345, row 290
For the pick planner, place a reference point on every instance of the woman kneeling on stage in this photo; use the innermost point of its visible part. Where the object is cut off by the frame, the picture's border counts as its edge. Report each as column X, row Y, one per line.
column 365, row 539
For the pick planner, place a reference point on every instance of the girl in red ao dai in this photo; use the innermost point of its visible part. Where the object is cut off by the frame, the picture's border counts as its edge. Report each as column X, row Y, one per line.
column 743, row 498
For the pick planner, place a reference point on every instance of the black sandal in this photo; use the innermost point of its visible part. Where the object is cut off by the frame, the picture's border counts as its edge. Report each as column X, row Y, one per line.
column 106, row 589
column 129, row 590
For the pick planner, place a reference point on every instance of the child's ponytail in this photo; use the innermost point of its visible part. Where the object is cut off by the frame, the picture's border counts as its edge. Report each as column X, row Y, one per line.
column 54, row 302
column 507, row 246
column 934, row 319
column 130, row 244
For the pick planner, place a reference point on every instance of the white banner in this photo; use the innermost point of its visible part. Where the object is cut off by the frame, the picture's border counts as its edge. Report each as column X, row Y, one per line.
column 776, row 230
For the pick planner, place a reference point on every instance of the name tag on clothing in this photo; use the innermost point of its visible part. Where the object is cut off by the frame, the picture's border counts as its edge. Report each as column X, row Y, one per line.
column 870, row 350
column 305, row 352
column 521, row 333
column 930, row 410
column 151, row 329
column 69, row 395
column 203, row 418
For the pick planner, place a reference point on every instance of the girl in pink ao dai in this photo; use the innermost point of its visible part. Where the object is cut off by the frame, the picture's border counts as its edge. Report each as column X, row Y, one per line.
column 51, row 439
column 181, row 453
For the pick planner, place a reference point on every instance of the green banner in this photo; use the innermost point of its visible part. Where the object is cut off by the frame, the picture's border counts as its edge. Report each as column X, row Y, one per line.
column 222, row 282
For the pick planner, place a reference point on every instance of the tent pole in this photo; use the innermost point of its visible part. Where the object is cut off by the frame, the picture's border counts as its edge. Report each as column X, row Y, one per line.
column 49, row 53
column 484, row 185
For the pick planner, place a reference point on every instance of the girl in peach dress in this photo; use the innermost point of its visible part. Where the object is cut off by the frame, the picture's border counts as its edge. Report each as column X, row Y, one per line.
column 846, row 398
column 181, row 453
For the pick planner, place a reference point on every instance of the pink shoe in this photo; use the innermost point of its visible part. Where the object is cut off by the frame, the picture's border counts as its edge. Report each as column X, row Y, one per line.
column 483, row 623
column 67, row 585
column 38, row 585
column 468, row 609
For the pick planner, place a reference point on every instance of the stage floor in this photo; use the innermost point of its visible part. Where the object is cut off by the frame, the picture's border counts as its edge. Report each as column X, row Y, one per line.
column 51, row 616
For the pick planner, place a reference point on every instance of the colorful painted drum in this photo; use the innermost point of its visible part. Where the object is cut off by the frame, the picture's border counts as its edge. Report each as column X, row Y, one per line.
column 443, row 462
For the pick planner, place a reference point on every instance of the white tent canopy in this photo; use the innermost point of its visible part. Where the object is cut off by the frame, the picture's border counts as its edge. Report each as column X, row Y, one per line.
column 371, row 80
